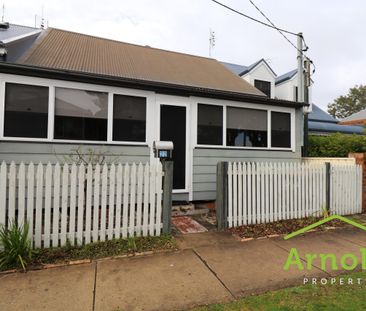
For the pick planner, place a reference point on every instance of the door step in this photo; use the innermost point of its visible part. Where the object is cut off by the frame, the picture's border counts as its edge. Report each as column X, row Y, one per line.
column 199, row 211
column 186, row 225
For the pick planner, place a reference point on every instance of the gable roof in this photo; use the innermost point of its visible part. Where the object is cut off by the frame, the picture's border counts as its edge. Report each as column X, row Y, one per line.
column 252, row 66
column 241, row 70
column 75, row 52
column 17, row 32
column 286, row 76
column 318, row 114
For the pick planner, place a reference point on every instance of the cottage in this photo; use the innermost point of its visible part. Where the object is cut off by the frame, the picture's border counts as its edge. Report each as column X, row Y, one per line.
column 69, row 90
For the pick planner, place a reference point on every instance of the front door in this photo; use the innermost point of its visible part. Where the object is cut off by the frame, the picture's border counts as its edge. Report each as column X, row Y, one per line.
column 173, row 128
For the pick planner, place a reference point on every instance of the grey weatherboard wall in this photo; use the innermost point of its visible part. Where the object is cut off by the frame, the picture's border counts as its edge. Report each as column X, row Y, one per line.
column 54, row 152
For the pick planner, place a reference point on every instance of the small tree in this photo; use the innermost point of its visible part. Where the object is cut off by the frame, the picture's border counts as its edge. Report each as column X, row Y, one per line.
column 90, row 156
column 353, row 102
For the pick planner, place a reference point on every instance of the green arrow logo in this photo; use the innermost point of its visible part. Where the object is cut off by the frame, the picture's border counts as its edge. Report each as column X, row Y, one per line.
column 323, row 221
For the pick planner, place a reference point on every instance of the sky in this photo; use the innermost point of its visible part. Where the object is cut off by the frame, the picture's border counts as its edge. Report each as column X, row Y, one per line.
column 334, row 30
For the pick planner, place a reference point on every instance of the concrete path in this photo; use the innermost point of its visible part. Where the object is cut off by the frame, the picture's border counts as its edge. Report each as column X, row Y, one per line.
column 210, row 267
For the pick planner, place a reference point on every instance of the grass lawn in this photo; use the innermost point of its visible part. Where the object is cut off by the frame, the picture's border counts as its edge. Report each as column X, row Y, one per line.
column 306, row 297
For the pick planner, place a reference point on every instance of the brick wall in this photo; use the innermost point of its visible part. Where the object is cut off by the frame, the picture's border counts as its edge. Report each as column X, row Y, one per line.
column 361, row 160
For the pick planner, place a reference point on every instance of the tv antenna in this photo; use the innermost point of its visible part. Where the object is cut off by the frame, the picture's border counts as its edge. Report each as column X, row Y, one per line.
column 211, row 41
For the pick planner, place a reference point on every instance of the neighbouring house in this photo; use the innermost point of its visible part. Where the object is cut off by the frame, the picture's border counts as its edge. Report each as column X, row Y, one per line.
column 285, row 87
column 69, row 89
column 358, row 118
column 16, row 39
column 322, row 123
column 259, row 74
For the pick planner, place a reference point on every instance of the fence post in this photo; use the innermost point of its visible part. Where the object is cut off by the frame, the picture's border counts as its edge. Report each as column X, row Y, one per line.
column 221, row 195
column 327, row 186
column 167, row 195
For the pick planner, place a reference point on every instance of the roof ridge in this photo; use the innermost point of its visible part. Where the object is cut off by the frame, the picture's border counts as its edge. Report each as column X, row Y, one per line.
column 128, row 43
column 36, row 43
column 25, row 26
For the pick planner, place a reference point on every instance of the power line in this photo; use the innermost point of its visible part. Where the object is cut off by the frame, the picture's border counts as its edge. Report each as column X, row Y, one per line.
column 287, row 39
column 271, row 25
column 253, row 19
column 274, row 26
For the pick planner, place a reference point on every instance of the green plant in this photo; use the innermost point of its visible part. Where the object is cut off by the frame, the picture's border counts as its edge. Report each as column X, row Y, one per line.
column 325, row 211
column 336, row 145
column 131, row 242
column 16, row 247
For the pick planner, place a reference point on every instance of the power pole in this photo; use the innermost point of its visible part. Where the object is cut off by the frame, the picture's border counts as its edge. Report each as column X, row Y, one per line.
column 303, row 91
column 300, row 70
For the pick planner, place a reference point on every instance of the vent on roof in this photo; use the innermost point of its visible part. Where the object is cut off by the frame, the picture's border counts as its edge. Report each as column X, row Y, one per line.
column 4, row 25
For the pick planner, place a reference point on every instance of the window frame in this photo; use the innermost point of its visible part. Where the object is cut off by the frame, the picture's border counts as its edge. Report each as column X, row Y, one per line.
column 52, row 84
column 2, row 111
column 223, row 124
column 246, row 105
column 54, row 114
column 110, row 117
column 270, row 87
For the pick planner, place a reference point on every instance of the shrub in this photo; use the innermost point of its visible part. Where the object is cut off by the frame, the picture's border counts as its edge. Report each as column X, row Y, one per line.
column 336, row 145
column 16, row 247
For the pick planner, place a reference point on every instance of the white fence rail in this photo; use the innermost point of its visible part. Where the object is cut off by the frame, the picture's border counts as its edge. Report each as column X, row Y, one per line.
column 270, row 191
column 80, row 203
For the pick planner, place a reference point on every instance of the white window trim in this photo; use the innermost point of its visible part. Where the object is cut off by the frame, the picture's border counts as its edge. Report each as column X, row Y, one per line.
column 247, row 105
column 52, row 84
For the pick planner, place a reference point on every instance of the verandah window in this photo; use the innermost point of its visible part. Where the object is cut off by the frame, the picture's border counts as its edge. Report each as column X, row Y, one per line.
column 26, row 111
column 210, row 123
column 80, row 115
column 246, row 127
column 281, row 129
column 129, row 118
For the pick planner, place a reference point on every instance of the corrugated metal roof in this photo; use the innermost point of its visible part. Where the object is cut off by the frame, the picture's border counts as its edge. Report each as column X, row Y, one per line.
column 358, row 116
column 318, row 114
column 286, row 76
column 323, row 127
column 64, row 50
column 235, row 68
column 16, row 31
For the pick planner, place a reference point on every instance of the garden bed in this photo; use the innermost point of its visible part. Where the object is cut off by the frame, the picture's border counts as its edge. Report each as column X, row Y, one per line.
column 49, row 257
column 282, row 227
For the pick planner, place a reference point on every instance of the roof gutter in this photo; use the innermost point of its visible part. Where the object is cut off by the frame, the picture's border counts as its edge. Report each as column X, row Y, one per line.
column 159, row 87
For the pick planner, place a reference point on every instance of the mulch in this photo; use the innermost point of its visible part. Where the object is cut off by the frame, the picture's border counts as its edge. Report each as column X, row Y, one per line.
column 282, row 227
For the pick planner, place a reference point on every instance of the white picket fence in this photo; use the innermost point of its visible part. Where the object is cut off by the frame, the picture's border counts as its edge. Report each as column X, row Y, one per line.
column 80, row 203
column 271, row 191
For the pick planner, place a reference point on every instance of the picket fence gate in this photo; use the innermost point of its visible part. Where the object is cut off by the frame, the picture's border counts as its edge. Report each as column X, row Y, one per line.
column 82, row 204
column 270, row 191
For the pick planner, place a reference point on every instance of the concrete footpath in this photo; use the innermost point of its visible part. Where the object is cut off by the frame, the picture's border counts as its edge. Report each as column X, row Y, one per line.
column 210, row 267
